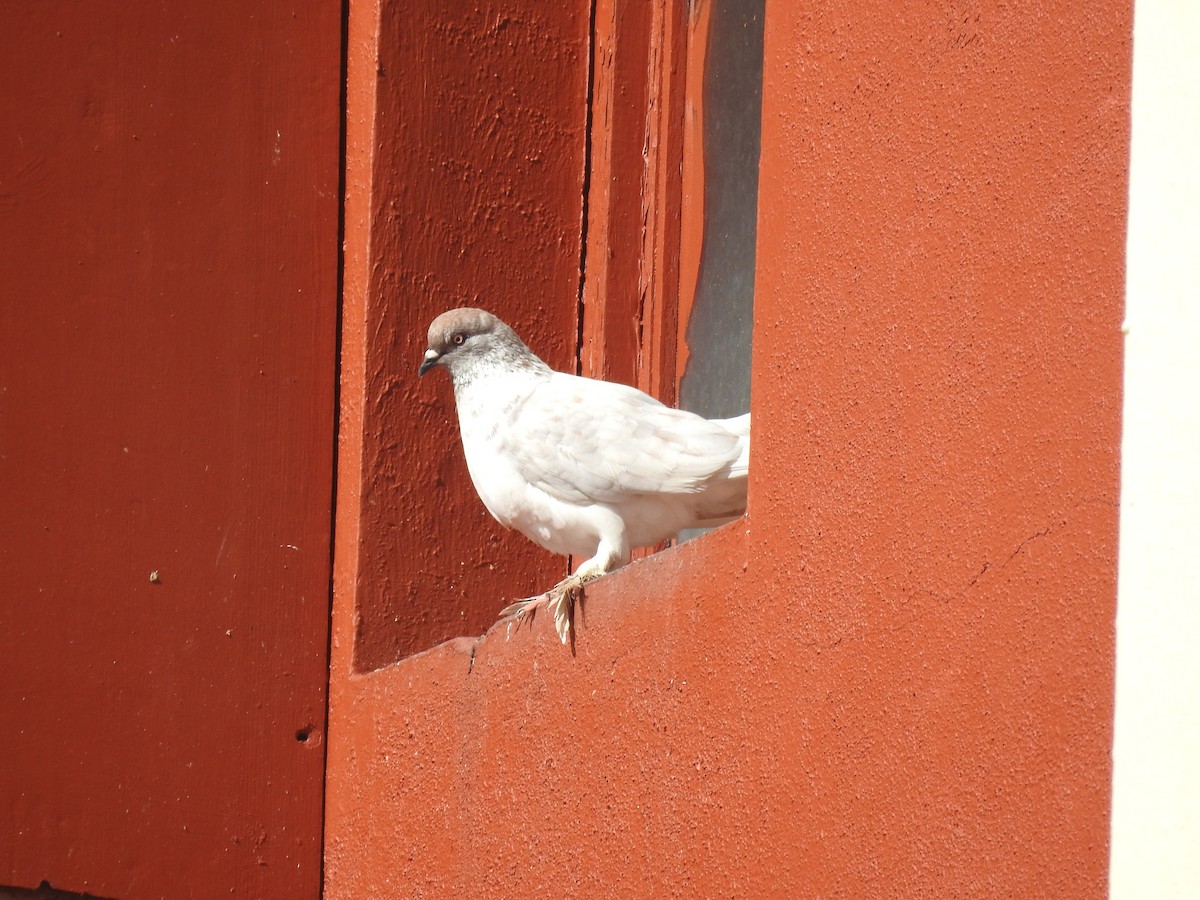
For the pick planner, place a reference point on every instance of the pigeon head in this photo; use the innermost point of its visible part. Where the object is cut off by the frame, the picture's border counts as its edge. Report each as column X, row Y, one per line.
column 466, row 341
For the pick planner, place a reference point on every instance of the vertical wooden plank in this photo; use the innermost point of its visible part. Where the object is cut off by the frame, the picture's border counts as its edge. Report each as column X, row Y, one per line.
column 168, row 250
column 615, row 228
column 465, row 135
column 631, row 277
column 662, row 215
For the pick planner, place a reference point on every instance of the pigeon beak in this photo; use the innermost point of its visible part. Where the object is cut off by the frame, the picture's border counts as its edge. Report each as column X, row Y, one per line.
column 431, row 359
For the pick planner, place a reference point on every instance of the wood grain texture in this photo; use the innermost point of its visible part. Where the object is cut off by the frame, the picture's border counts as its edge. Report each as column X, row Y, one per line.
column 464, row 188
column 616, row 224
column 168, row 250
column 631, row 277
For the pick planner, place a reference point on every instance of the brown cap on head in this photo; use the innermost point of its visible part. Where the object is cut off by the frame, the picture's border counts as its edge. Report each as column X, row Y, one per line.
column 477, row 332
column 466, row 321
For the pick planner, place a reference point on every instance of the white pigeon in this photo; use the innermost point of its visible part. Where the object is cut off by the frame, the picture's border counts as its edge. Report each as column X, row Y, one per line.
column 580, row 466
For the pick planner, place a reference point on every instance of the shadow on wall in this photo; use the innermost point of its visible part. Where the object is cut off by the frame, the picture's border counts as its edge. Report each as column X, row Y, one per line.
column 43, row 892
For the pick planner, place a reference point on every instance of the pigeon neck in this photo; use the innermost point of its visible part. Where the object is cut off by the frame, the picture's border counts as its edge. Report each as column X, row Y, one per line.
column 500, row 362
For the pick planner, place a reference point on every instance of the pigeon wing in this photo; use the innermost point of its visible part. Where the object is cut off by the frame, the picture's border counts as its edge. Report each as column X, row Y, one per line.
column 586, row 441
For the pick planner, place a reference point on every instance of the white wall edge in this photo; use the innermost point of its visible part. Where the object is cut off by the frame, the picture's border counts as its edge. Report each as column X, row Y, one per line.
column 1156, row 751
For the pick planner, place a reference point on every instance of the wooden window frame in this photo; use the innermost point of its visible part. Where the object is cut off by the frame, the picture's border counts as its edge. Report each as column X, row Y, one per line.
column 644, row 194
column 629, row 328
column 614, row 311
column 644, row 216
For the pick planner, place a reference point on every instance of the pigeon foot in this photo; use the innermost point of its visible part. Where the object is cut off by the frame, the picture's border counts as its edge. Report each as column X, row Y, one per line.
column 559, row 600
column 524, row 609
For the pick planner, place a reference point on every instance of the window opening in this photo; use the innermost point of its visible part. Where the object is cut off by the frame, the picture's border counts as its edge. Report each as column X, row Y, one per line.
column 726, row 117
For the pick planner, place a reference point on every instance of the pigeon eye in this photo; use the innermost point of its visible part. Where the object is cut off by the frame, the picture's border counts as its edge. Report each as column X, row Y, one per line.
column 458, row 339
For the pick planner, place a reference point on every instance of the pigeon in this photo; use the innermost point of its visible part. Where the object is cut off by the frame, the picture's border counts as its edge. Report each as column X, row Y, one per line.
column 580, row 466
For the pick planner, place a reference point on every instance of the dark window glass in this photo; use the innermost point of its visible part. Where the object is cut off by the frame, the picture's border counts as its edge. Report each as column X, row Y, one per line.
column 716, row 382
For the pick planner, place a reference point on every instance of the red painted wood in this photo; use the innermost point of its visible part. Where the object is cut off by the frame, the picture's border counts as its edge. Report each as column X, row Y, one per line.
column 691, row 237
column 168, row 251
column 464, row 188
column 616, row 224
column 631, row 276
column 659, row 281
column 631, row 283
column 895, row 677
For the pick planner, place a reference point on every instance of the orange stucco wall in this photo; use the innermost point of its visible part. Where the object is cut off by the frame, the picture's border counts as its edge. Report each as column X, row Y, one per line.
column 895, row 676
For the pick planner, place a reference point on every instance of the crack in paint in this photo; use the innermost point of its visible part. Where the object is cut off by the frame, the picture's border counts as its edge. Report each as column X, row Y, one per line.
column 1046, row 531
column 587, row 187
column 474, row 649
column 946, row 599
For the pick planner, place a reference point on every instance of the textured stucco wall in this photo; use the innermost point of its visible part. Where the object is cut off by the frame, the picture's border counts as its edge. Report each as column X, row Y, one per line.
column 895, row 676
